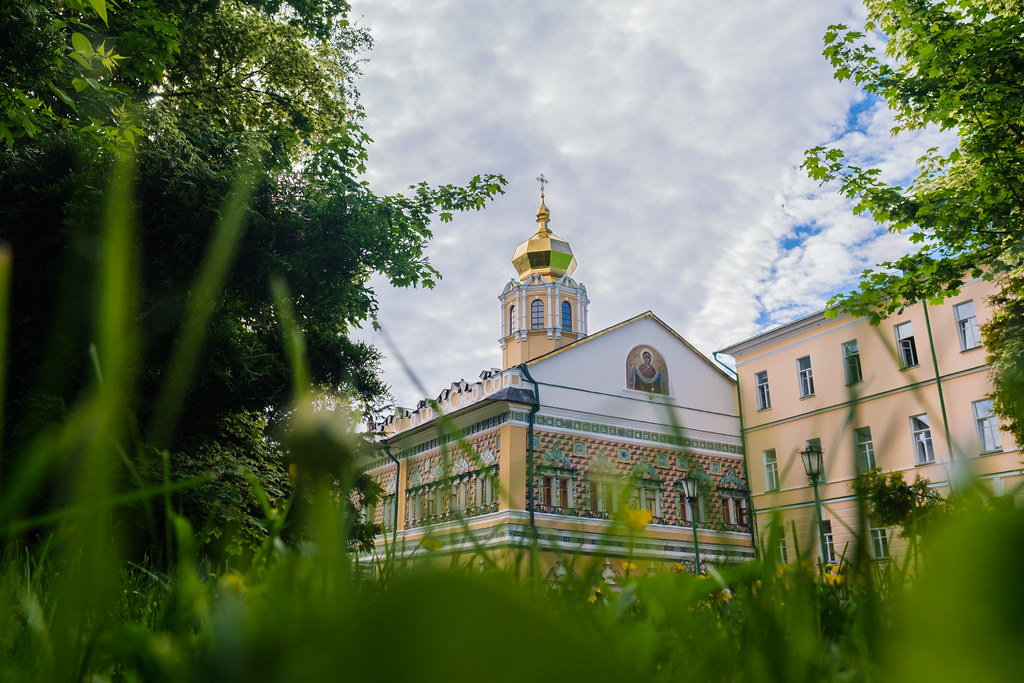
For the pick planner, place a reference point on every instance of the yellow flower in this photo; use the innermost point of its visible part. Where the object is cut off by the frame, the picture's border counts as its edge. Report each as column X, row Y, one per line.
column 233, row 582
column 679, row 567
column 628, row 566
column 636, row 520
column 431, row 543
column 592, row 599
column 833, row 575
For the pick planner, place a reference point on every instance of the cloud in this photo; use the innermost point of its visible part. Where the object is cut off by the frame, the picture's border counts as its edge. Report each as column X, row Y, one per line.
column 671, row 133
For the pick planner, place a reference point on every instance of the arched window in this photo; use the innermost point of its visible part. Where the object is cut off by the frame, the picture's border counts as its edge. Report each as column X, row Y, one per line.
column 512, row 318
column 537, row 315
column 567, row 316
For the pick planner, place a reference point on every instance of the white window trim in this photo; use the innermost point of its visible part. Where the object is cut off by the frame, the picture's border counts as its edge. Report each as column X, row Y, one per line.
column 557, row 478
column 910, row 346
column 924, row 448
column 762, row 390
column 879, row 537
column 847, row 356
column 805, row 377
column 967, row 324
column 771, row 474
column 865, row 450
column 987, row 424
column 830, row 543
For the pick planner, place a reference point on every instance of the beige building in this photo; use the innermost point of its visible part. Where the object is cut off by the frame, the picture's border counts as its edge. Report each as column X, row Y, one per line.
column 908, row 394
column 573, row 431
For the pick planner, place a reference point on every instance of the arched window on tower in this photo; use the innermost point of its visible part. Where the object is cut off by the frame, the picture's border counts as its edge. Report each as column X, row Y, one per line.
column 511, row 318
column 567, row 316
column 537, row 315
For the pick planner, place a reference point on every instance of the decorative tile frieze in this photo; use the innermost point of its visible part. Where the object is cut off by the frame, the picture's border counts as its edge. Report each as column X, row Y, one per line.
column 628, row 433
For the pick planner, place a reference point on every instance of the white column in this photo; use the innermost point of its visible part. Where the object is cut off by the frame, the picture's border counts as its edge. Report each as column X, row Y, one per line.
column 581, row 327
column 551, row 312
column 522, row 313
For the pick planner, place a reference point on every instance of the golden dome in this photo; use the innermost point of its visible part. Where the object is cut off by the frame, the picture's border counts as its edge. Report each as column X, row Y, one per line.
column 545, row 253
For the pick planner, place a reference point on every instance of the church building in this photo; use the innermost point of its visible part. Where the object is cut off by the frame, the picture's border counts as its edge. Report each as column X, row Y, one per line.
column 584, row 443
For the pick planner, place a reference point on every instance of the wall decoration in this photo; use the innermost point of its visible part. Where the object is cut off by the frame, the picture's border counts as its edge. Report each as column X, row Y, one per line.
column 646, row 371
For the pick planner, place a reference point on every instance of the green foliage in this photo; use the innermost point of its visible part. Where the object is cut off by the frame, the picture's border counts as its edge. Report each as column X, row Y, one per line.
column 304, row 615
column 245, row 155
column 57, row 78
column 1004, row 340
column 915, row 508
column 957, row 65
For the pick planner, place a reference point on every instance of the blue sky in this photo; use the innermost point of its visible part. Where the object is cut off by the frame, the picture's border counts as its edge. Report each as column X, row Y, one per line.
column 671, row 133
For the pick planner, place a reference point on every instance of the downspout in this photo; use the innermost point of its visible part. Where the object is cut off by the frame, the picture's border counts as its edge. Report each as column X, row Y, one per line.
column 529, row 459
column 743, row 447
column 938, row 381
column 398, row 479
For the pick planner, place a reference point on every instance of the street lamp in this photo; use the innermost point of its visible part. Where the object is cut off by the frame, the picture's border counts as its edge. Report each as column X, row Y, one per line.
column 813, row 465
column 691, row 490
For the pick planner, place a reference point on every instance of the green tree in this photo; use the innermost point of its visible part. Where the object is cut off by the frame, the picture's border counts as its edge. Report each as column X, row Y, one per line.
column 957, row 65
column 893, row 502
column 261, row 86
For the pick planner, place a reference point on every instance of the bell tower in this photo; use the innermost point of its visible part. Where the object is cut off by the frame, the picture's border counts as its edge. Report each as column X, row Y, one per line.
column 545, row 309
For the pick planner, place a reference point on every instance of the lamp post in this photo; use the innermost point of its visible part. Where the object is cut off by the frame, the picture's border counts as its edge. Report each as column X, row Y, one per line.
column 690, row 490
column 813, row 466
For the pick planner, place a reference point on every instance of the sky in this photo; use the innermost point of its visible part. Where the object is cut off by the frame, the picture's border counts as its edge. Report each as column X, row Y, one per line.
column 671, row 134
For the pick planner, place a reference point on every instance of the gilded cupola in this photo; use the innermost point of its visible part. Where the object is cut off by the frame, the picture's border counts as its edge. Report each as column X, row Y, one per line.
column 545, row 253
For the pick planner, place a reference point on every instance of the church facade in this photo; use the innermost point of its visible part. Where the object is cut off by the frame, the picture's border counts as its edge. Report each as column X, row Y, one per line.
column 581, row 445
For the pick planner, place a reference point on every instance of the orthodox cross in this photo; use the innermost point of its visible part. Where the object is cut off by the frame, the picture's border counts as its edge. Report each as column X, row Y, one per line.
column 543, row 181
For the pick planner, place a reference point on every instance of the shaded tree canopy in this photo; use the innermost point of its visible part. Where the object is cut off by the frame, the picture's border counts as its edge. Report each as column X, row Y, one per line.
column 206, row 100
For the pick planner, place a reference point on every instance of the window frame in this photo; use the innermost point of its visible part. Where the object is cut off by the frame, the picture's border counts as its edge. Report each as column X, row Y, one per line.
column 512, row 319
column 603, row 494
column 537, row 314
column 771, row 470
column 986, row 423
column 906, row 346
column 805, row 377
column 566, row 316
column 483, row 488
column 646, row 495
column 734, row 508
column 557, row 489
column 388, row 503
column 830, row 541
column 879, row 537
column 762, row 390
column 684, row 506
column 851, row 361
column 864, row 449
column 965, row 324
column 921, row 437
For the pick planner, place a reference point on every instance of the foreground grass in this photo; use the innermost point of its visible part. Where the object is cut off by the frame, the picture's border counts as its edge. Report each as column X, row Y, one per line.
column 308, row 616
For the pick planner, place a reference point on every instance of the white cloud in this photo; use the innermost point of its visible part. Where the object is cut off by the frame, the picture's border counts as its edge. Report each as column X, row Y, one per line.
column 672, row 135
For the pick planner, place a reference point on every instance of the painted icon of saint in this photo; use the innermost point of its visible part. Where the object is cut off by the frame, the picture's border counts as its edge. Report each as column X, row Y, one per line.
column 647, row 376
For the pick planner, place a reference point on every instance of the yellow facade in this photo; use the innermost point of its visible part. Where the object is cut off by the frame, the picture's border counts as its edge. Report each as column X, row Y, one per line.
column 908, row 395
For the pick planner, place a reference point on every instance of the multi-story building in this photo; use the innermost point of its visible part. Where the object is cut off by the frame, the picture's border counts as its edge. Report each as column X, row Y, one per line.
column 909, row 394
column 574, row 430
